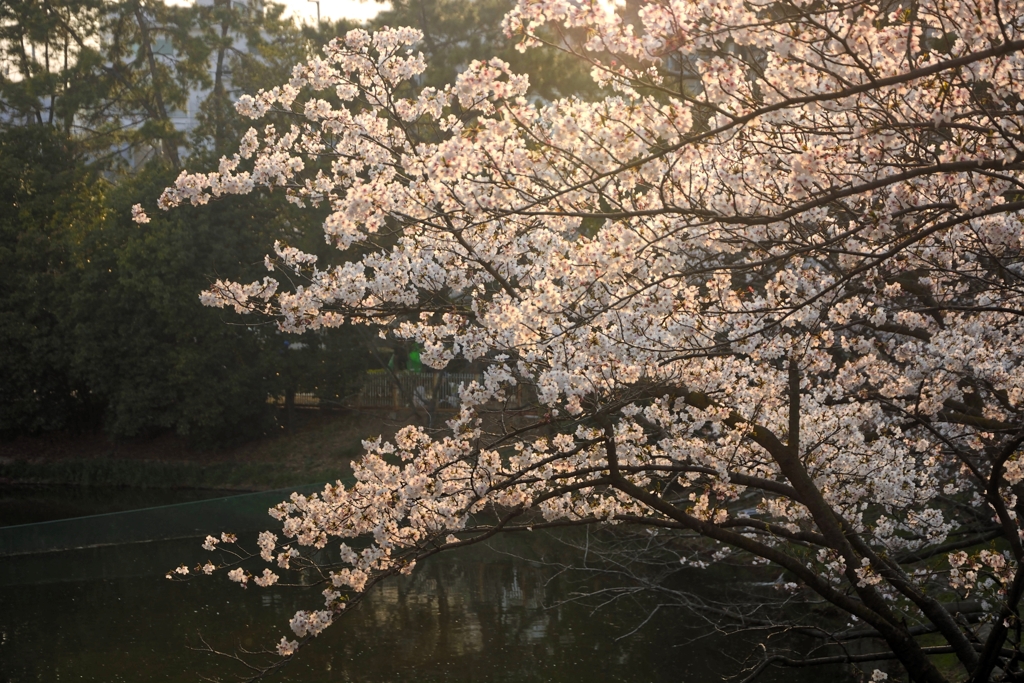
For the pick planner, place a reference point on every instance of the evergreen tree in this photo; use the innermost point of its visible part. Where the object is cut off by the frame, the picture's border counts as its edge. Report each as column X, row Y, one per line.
column 48, row 201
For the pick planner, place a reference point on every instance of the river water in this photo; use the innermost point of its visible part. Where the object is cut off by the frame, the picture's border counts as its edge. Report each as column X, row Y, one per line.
column 86, row 600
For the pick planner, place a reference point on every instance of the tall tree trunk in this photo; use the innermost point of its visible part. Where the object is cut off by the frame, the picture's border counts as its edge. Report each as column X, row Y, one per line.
column 170, row 149
column 219, row 94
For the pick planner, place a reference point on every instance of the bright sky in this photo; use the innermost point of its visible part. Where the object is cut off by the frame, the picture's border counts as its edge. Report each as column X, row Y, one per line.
column 305, row 11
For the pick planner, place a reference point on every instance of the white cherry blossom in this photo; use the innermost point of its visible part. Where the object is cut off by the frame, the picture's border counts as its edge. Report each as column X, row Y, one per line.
column 777, row 269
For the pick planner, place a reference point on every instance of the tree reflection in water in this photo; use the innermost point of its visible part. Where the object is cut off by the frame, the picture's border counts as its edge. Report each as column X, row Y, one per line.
column 486, row 614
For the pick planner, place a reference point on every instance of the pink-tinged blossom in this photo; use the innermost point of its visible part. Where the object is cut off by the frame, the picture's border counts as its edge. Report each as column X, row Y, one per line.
column 802, row 272
column 310, row 623
column 268, row 578
column 267, row 542
column 285, row 558
column 139, row 215
column 239, row 576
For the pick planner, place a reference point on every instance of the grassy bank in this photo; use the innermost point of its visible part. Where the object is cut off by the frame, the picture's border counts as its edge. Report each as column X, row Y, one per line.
column 319, row 450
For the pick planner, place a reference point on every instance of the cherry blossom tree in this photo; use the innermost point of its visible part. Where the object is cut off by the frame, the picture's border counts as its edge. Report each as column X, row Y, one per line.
column 768, row 290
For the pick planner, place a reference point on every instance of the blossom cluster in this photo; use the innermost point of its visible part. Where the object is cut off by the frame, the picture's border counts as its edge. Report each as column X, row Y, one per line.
column 987, row 571
column 793, row 280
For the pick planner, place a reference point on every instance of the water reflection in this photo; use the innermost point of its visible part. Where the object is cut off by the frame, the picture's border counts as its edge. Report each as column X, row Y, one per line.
column 106, row 614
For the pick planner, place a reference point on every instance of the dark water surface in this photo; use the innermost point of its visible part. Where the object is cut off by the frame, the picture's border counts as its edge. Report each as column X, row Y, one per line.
column 29, row 504
column 102, row 611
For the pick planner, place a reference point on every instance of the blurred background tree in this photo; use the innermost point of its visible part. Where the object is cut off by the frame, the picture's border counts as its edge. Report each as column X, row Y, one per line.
column 102, row 103
column 455, row 32
column 49, row 200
